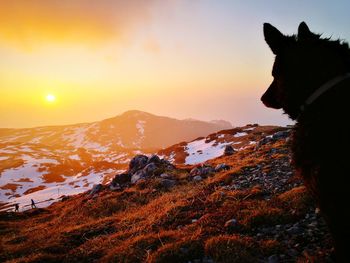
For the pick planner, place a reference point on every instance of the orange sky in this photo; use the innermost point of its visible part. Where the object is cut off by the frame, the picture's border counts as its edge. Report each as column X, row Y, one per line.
column 200, row 59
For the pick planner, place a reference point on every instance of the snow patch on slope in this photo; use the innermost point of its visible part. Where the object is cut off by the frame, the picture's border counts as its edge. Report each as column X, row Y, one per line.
column 199, row 151
column 140, row 125
column 75, row 139
column 240, row 134
column 72, row 185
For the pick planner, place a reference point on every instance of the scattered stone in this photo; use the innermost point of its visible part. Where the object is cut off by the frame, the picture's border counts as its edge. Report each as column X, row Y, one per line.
column 221, row 167
column 229, row 150
column 294, row 230
column 197, row 178
column 281, row 135
column 202, row 170
column 114, row 187
column 264, row 141
column 166, row 176
column 195, row 171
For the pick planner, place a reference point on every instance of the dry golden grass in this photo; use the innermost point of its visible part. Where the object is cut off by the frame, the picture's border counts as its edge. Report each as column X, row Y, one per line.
column 150, row 224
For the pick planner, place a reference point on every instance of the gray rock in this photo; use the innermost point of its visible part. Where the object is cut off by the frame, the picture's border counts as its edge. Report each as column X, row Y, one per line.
column 95, row 189
column 137, row 176
column 229, row 150
column 137, row 163
column 170, row 167
column 202, row 170
column 166, row 162
column 205, row 170
column 281, row 135
column 197, row 178
column 121, row 179
column 167, row 183
column 273, row 150
column 231, row 223
column 150, row 168
column 221, row 167
column 313, row 224
column 273, row 259
column 264, row 141
column 154, row 159
column 166, row 176
column 114, row 187
column 294, row 230
column 195, row 171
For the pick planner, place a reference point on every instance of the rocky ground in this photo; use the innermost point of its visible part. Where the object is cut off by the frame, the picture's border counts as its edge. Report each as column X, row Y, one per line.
column 245, row 206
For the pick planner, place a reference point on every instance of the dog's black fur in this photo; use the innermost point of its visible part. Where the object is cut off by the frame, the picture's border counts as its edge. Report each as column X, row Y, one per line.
column 321, row 141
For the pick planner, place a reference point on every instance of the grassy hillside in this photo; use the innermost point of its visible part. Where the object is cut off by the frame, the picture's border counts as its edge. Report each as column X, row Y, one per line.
column 253, row 210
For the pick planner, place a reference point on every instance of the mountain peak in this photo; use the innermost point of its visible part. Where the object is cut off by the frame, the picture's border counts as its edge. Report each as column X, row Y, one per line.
column 223, row 123
column 135, row 113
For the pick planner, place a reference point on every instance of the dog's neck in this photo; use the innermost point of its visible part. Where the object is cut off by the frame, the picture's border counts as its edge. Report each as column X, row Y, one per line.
column 322, row 89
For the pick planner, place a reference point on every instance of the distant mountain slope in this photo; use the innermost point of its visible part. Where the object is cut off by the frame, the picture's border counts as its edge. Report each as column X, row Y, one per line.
column 47, row 162
column 130, row 130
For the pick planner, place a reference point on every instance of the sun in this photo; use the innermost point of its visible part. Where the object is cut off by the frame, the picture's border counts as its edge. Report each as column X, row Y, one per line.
column 50, row 97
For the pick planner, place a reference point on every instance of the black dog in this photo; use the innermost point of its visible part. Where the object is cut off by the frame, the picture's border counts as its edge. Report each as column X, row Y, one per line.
column 312, row 85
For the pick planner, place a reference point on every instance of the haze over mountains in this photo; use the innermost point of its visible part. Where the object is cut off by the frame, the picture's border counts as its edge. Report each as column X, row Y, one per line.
column 47, row 162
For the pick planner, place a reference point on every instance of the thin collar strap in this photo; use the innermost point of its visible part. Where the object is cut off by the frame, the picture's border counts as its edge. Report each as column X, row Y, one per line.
column 325, row 87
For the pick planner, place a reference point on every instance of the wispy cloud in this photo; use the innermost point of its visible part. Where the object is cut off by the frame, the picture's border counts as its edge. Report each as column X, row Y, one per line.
column 33, row 23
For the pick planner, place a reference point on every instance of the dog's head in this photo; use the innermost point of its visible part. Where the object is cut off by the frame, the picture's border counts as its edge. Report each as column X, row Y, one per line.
column 303, row 62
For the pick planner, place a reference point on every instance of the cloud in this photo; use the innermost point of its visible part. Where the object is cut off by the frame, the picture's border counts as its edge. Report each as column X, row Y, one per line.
column 33, row 23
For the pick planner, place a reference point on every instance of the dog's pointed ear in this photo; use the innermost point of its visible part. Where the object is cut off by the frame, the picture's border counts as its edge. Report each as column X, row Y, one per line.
column 304, row 32
column 274, row 38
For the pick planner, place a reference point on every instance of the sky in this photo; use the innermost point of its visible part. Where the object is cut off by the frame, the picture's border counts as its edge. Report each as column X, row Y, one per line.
column 198, row 59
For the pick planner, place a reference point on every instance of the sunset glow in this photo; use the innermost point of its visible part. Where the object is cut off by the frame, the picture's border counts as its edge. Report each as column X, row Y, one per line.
column 50, row 98
column 198, row 59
